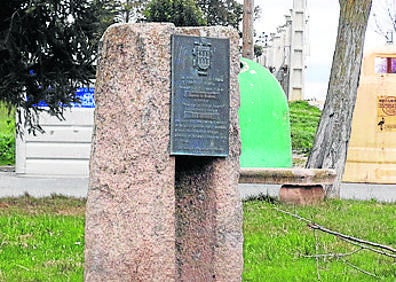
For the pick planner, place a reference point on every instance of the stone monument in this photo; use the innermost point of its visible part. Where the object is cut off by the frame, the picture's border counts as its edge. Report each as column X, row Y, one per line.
column 154, row 213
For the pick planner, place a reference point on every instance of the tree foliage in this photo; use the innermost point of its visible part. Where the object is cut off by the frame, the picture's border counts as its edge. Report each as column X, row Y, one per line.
column 47, row 50
column 130, row 10
column 221, row 12
column 179, row 12
column 332, row 137
column 195, row 12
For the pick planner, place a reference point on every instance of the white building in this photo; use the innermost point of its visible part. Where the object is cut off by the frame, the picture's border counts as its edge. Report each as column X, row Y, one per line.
column 285, row 51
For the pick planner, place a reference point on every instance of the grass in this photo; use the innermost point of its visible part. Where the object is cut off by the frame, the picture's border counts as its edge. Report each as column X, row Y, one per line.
column 7, row 136
column 42, row 240
column 278, row 246
column 304, row 120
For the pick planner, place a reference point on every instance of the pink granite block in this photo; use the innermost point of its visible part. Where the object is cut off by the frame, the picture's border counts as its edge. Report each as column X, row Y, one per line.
column 130, row 223
column 209, row 237
column 152, row 217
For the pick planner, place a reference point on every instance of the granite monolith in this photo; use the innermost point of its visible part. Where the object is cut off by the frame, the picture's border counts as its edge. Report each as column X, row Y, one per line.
column 152, row 216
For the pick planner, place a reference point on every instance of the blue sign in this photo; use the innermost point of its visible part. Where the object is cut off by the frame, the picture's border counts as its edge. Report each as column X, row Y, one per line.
column 84, row 94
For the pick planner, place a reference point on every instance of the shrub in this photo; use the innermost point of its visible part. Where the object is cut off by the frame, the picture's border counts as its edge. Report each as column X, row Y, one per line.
column 7, row 136
column 7, row 149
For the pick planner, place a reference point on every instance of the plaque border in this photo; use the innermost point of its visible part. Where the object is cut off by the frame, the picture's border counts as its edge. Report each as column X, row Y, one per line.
column 178, row 152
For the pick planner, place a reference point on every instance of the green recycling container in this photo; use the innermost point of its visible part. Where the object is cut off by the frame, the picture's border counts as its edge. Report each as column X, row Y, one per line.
column 264, row 119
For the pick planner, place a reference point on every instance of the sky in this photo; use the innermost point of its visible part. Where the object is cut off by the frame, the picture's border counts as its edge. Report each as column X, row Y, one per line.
column 323, row 24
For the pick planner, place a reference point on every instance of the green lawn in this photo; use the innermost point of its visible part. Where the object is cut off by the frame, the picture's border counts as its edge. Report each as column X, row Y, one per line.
column 279, row 247
column 304, row 120
column 42, row 240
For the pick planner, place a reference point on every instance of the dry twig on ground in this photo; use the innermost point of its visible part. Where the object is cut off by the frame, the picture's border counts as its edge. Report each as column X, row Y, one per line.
column 363, row 244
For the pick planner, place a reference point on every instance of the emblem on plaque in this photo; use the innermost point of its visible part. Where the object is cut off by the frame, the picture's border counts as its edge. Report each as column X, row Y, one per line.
column 202, row 53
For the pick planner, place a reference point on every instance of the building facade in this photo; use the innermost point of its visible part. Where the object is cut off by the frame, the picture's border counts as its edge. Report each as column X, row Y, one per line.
column 285, row 51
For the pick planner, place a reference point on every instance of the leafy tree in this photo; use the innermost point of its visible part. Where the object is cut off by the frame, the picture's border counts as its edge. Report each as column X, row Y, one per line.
column 179, row 12
column 331, row 142
column 195, row 12
column 221, row 12
column 130, row 10
column 47, row 50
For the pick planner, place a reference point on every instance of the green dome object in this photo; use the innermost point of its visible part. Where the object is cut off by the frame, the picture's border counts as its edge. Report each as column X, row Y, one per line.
column 264, row 119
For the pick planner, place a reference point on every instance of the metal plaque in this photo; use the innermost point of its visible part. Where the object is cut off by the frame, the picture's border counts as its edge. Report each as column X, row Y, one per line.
column 200, row 108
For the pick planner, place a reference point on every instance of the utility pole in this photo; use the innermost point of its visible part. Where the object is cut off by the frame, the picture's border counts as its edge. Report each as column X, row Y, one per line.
column 247, row 35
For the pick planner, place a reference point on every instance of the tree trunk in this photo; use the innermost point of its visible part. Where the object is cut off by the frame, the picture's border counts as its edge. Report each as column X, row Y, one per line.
column 247, row 33
column 332, row 137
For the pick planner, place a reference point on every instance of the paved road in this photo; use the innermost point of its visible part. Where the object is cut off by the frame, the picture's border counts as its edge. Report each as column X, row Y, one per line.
column 41, row 186
column 353, row 191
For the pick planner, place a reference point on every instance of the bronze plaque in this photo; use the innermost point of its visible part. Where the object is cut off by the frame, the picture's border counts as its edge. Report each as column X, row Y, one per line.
column 200, row 106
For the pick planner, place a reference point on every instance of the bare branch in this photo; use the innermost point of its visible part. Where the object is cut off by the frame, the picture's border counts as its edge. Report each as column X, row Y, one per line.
column 384, row 18
column 378, row 27
column 358, row 268
column 293, row 215
column 369, row 249
column 342, row 236
column 363, row 244
column 10, row 28
column 335, row 255
column 351, row 238
column 317, row 258
column 391, row 17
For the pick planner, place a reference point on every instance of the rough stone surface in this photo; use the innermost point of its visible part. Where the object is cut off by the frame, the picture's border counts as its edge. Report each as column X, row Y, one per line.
column 152, row 217
column 301, row 195
column 130, row 233
column 287, row 176
column 209, row 235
